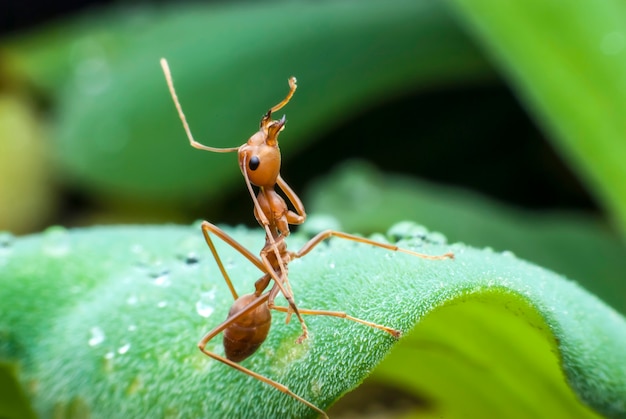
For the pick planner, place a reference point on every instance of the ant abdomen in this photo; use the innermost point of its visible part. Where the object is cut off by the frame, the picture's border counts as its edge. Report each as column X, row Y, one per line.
column 244, row 336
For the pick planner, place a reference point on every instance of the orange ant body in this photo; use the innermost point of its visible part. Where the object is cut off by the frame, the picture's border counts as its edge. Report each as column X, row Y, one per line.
column 249, row 318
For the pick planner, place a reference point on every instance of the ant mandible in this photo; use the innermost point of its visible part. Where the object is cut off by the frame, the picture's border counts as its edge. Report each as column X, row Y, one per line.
column 249, row 318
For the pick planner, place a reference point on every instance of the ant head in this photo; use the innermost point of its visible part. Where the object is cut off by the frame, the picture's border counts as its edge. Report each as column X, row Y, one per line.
column 260, row 156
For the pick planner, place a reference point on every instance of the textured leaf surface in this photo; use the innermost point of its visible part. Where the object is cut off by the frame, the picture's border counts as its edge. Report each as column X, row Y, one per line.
column 575, row 244
column 105, row 320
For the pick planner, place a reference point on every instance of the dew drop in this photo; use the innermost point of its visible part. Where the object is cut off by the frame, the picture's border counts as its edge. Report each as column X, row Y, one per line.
column 317, row 223
column 132, row 300
column 162, row 304
column 109, row 355
column 186, row 249
column 436, row 237
column 56, row 241
column 205, row 305
column 407, row 230
column 97, row 336
column 6, row 239
column 162, row 280
column 230, row 264
column 331, row 265
column 191, row 258
column 132, row 328
column 316, row 388
column 142, row 256
column 123, row 349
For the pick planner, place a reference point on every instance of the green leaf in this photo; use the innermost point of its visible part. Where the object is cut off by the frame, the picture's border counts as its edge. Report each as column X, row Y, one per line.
column 118, row 131
column 104, row 322
column 567, row 62
column 571, row 243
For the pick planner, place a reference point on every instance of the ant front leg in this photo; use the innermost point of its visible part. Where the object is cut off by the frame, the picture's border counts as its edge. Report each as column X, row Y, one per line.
column 308, row 246
column 300, row 215
column 207, row 228
column 282, row 284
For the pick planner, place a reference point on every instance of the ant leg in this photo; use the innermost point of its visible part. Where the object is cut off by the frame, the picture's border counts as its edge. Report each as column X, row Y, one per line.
column 262, row 218
column 393, row 332
column 332, row 233
column 300, row 215
column 282, row 284
column 206, row 338
column 207, row 228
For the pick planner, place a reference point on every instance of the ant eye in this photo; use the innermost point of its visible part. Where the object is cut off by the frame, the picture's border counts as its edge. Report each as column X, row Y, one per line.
column 254, row 163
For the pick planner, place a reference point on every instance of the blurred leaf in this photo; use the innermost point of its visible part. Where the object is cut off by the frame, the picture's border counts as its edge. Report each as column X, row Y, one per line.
column 26, row 193
column 119, row 133
column 103, row 322
column 13, row 403
column 567, row 60
column 573, row 244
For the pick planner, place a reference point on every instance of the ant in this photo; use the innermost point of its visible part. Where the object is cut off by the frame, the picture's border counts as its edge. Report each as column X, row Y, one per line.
column 249, row 318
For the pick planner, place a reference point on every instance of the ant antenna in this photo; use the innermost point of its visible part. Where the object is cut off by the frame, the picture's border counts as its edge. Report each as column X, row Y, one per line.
column 292, row 89
column 194, row 143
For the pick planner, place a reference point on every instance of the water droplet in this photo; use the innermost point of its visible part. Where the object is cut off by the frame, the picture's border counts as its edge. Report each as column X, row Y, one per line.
column 191, row 258
column 123, row 349
column 131, row 300
column 331, row 265
column 613, row 43
column 508, row 253
column 407, row 230
column 186, row 249
column 162, row 280
column 162, row 304
column 436, row 237
column 109, row 355
column 132, row 328
column 6, row 239
column 230, row 264
column 205, row 305
column 97, row 336
column 56, row 241
column 317, row 223
column 142, row 256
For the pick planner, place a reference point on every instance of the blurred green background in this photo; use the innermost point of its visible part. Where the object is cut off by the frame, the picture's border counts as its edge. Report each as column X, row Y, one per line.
column 499, row 124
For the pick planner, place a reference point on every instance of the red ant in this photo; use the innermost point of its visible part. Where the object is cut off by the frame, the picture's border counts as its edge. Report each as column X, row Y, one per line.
column 249, row 318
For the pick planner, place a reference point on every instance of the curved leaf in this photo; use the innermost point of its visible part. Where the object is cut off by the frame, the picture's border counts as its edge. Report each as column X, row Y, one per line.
column 104, row 321
column 558, row 240
column 577, row 93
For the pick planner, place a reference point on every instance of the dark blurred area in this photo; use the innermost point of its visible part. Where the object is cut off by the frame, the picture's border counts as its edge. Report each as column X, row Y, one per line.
column 25, row 15
column 474, row 136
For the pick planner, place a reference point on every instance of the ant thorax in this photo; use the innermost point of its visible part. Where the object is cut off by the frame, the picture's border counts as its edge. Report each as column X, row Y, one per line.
column 275, row 210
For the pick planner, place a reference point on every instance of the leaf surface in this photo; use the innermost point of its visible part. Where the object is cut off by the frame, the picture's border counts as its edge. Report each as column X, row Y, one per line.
column 104, row 321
